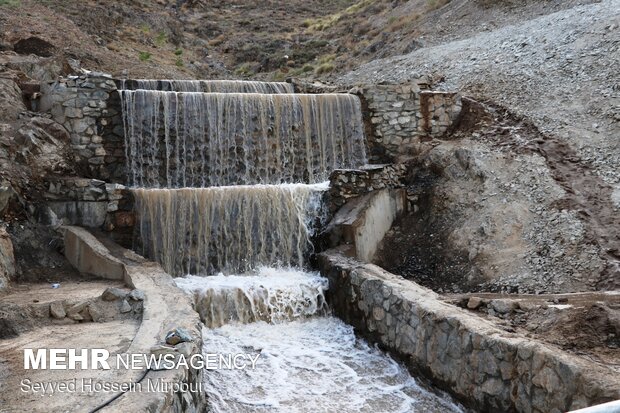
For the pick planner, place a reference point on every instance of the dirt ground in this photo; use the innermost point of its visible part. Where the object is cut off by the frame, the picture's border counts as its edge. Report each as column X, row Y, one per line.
column 585, row 324
column 26, row 322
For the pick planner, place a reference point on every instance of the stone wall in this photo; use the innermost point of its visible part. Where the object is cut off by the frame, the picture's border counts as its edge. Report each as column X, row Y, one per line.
column 90, row 203
column 88, row 106
column 483, row 366
column 345, row 184
column 400, row 115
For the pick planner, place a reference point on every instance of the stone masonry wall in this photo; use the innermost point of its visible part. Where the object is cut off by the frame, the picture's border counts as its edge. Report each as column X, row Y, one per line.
column 88, row 106
column 345, row 184
column 401, row 114
column 92, row 203
column 485, row 367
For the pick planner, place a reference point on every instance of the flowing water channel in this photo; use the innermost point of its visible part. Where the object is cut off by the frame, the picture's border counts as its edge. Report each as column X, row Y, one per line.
column 227, row 188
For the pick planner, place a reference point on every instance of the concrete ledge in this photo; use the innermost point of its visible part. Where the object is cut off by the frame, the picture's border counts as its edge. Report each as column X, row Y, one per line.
column 483, row 366
column 165, row 307
column 89, row 256
column 363, row 222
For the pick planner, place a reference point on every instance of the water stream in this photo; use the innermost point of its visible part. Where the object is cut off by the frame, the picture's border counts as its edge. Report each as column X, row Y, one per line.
column 308, row 361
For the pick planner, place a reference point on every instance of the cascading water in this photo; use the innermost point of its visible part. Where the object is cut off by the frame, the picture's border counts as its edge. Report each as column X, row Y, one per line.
column 189, row 139
column 265, row 145
column 209, row 86
column 230, row 229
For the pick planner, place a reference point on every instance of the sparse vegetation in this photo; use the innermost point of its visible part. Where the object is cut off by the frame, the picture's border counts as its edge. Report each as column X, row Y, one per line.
column 179, row 62
column 144, row 56
column 324, row 68
column 435, row 4
column 161, row 39
column 178, row 52
column 10, row 3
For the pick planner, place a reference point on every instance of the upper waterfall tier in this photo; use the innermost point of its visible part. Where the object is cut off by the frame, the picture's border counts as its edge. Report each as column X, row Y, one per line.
column 229, row 229
column 180, row 139
column 220, row 86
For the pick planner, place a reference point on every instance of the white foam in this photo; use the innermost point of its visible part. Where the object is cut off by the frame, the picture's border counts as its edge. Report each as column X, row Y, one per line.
column 311, row 365
column 273, row 294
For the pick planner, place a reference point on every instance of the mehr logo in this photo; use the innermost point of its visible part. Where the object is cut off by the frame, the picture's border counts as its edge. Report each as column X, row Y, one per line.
column 97, row 359
column 66, row 359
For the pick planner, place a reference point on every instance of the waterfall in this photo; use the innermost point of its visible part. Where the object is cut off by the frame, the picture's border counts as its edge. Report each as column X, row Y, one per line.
column 209, row 86
column 229, row 229
column 227, row 184
column 189, row 139
column 272, row 295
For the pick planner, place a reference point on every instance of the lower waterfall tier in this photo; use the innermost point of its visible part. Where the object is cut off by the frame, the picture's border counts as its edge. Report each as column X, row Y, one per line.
column 272, row 295
column 232, row 229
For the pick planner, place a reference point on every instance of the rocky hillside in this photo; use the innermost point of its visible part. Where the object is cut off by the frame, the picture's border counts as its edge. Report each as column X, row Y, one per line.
column 268, row 39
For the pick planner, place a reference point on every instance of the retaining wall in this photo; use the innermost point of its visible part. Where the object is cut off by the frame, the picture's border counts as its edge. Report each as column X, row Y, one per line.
column 485, row 367
column 89, row 108
column 363, row 221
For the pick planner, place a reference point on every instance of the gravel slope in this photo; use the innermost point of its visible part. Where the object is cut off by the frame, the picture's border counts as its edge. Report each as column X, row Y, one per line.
column 562, row 71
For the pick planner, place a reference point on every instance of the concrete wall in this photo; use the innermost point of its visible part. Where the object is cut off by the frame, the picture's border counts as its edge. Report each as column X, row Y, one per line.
column 363, row 221
column 166, row 307
column 485, row 367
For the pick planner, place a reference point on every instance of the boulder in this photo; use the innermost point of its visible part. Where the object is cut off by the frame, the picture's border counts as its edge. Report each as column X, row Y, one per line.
column 57, row 310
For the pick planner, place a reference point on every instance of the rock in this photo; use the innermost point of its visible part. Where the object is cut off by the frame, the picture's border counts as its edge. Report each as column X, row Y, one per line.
column 185, row 348
column 7, row 259
column 57, row 310
column 75, row 311
column 125, row 307
column 11, row 102
column 7, row 194
column 178, row 335
column 112, row 294
column 503, row 306
column 474, row 303
column 137, row 295
column 97, row 313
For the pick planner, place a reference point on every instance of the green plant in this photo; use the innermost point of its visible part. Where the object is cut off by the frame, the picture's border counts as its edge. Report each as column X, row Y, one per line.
column 161, row 39
column 307, row 68
column 144, row 28
column 245, row 69
column 327, row 58
column 179, row 62
column 144, row 56
column 324, row 68
column 10, row 3
column 178, row 52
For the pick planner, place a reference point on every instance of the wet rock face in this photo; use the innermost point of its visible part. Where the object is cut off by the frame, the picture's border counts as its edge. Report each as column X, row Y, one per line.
column 7, row 260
